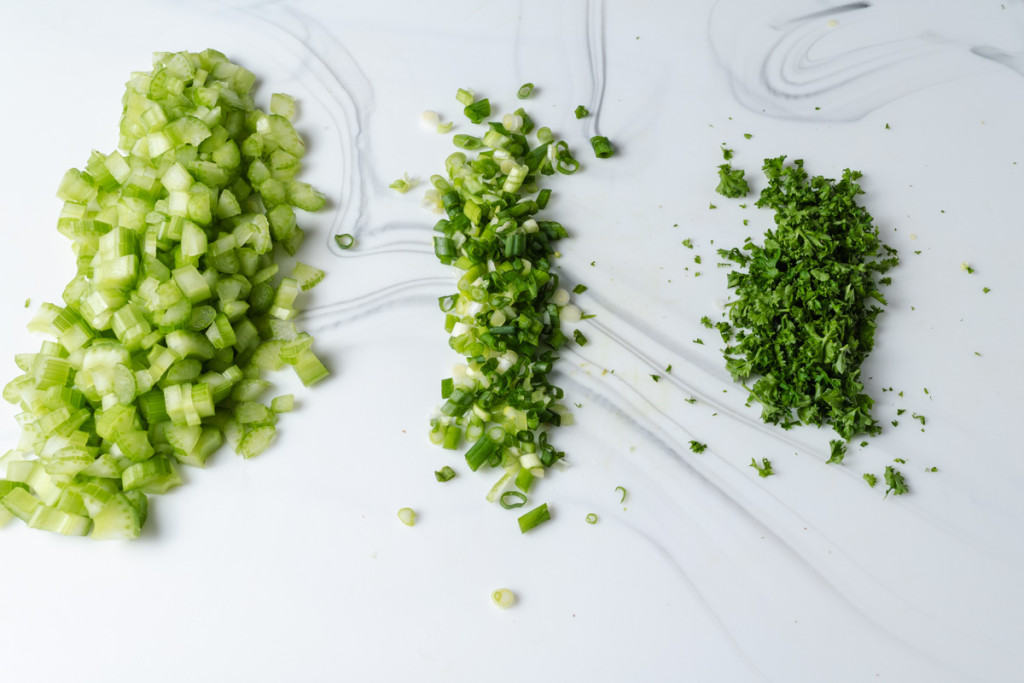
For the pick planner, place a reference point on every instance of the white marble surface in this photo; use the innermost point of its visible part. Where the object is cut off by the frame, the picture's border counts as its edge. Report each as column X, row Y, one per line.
column 294, row 566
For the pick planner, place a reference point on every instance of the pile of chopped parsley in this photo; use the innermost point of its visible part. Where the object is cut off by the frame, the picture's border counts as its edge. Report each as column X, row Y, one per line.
column 806, row 301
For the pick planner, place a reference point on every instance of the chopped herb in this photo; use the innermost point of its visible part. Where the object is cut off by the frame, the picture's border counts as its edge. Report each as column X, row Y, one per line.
column 887, row 127
column 712, row 206
column 931, row 469
column 691, row 400
column 900, row 461
column 986, row 290
column 894, row 482
column 696, row 259
column 688, row 243
column 764, row 469
column 581, row 112
column 966, row 266
column 802, row 338
column 579, row 289
column 900, row 411
column 668, row 368
column 895, row 423
column 726, row 153
column 28, row 302
column 706, row 322
column 656, row 378
column 917, row 251
column 977, row 354
column 863, row 444
column 838, row 448
column 747, row 135
column 926, row 390
column 579, row 337
column 698, row 447
column 731, row 183
column 870, row 479
column 698, row 340
column 919, row 418
column 724, row 329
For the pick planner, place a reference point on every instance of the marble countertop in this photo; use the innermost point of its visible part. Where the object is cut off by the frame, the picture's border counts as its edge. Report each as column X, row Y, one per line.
column 293, row 566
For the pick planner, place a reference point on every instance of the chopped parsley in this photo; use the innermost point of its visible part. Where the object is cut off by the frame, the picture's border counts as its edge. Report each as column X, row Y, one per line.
column 919, row 418
column 581, row 112
column 900, row 461
column 688, row 243
column 764, row 469
column 747, row 135
column 696, row 259
column 838, row 448
column 731, row 182
column 656, row 378
column 894, row 482
column 968, row 267
column 690, row 400
column 870, row 479
column 698, row 340
column 726, row 152
column 698, row 447
column 806, row 302
column 579, row 289
column 668, row 368
column 986, row 290
column 579, row 337
column 706, row 322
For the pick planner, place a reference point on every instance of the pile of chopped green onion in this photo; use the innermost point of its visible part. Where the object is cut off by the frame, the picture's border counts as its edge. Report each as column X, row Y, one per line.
column 177, row 307
column 506, row 317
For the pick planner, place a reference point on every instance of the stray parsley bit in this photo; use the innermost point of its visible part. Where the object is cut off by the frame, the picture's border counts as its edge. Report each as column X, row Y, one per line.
column 579, row 289
column 894, row 482
column 764, row 469
column 581, row 111
column 802, row 313
column 900, row 461
column 698, row 340
column 698, row 447
column 668, row 368
column 747, row 135
column 446, row 473
column 731, row 183
column 696, row 259
column 986, row 290
column 919, row 418
column 870, row 479
column 579, row 337
column 706, row 322
column 656, row 378
column 931, row 469
column 726, row 153
column 966, row 266
column 690, row 400
column 688, row 243
column 838, row 451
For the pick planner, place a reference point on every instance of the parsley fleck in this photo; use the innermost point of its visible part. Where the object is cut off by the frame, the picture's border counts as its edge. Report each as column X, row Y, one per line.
column 986, row 290
column 579, row 289
column 581, row 111
column 668, row 368
column 870, row 479
column 706, row 322
column 931, row 469
column 887, row 127
column 688, row 243
column 919, row 418
column 900, row 461
column 690, row 400
column 656, row 378
column 726, row 152
column 968, row 267
column 698, row 447
column 764, row 469
column 698, row 340
column 838, row 448
column 712, row 206
column 895, row 423
column 696, row 259
column 863, row 444
column 579, row 337
column 894, row 482
column 747, row 135
column 731, row 182
column 917, row 251
column 800, row 336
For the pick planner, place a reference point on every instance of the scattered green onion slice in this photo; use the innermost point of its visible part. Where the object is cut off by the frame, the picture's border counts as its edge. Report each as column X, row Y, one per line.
column 534, row 517
column 407, row 516
column 444, row 474
column 403, row 184
column 512, row 499
column 591, row 518
column 344, row 241
column 622, row 490
column 602, row 147
column 525, row 90
column 503, row 598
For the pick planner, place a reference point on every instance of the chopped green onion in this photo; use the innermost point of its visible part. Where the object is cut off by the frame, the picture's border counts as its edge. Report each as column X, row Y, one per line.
column 591, row 518
column 465, row 97
column 622, row 490
column 602, row 147
column 403, row 184
column 503, row 598
column 444, row 474
column 534, row 517
column 478, row 111
column 525, row 90
column 512, row 499
column 344, row 241
column 407, row 516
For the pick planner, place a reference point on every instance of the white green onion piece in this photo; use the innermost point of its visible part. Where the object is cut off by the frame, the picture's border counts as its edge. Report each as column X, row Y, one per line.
column 503, row 598
column 407, row 516
column 177, row 306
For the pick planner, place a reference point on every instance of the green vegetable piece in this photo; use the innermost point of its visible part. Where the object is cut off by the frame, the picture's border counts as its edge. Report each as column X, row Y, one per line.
column 731, row 182
column 764, row 469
